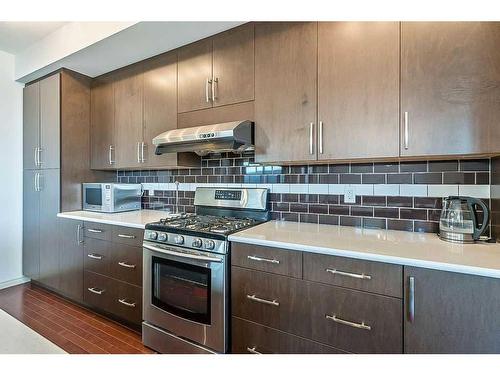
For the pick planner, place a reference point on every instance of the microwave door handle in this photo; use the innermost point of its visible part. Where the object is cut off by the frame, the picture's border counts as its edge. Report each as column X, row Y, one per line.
column 182, row 255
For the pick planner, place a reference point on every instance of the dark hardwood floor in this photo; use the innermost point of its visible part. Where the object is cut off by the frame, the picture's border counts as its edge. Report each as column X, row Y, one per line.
column 71, row 327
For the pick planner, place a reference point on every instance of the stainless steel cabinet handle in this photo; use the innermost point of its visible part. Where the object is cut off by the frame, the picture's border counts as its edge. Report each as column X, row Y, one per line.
column 128, row 304
column 126, row 265
column 311, row 135
column 36, row 181
column 36, row 156
column 129, row 236
column 361, row 325
column 261, row 300
column 406, row 130
column 259, row 259
column 349, row 274
column 320, row 131
column 95, row 256
column 143, row 159
column 40, row 162
column 253, row 350
column 207, row 91
column 213, row 83
column 138, row 152
column 91, row 230
column 111, row 150
column 411, row 299
column 79, row 228
column 96, row 291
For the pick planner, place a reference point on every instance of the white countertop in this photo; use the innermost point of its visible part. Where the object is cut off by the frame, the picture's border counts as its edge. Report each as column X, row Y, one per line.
column 131, row 219
column 406, row 248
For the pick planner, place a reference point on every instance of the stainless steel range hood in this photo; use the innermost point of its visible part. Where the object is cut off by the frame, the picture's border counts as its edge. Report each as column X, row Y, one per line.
column 234, row 136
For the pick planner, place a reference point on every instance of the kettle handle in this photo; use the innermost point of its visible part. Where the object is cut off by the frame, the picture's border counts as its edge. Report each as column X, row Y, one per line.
column 486, row 216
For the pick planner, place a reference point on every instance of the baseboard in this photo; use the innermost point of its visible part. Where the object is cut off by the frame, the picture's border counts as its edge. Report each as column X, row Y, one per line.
column 8, row 284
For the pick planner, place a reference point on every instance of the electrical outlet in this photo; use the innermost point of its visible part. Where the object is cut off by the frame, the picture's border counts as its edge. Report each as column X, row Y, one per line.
column 151, row 192
column 349, row 196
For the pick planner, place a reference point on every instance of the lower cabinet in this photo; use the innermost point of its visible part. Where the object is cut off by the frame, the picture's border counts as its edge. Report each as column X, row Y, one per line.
column 71, row 258
column 449, row 312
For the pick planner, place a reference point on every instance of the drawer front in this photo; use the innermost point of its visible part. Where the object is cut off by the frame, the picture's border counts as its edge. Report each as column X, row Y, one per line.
column 97, row 256
column 97, row 291
column 126, row 263
column 253, row 338
column 98, row 231
column 268, row 259
column 301, row 308
column 127, row 236
column 351, row 273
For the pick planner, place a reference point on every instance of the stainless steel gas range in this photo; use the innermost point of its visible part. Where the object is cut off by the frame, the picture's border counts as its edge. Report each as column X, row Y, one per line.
column 186, row 271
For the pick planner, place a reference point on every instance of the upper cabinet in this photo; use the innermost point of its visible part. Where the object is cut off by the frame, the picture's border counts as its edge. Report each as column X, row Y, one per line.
column 450, row 88
column 358, row 90
column 217, row 71
column 285, row 91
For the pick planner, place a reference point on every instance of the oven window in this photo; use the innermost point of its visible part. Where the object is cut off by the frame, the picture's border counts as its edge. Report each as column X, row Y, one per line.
column 93, row 196
column 182, row 289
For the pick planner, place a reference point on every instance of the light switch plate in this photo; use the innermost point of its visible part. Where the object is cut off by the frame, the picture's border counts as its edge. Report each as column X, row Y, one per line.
column 349, row 196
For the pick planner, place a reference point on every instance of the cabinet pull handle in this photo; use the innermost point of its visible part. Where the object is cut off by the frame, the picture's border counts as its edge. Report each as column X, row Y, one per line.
column 213, row 83
column 128, row 236
column 95, row 256
column 79, row 228
column 311, row 135
column 111, row 150
column 128, row 304
column 253, row 350
column 406, row 129
column 320, row 131
column 91, row 230
column 126, row 265
column 139, row 152
column 411, row 299
column 349, row 274
column 96, row 291
column 39, row 151
column 143, row 159
column 259, row 259
column 261, row 300
column 37, row 181
column 361, row 325
column 207, row 91
column 36, row 156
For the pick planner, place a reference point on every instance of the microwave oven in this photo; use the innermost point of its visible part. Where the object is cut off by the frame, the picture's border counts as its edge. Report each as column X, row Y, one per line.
column 110, row 197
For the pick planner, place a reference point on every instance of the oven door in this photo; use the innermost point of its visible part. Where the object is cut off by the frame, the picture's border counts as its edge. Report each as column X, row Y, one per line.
column 185, row 293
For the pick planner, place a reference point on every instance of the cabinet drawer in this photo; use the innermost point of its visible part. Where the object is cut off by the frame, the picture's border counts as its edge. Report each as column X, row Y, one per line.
column 126, row 263
column 98, row 231
column 97, row 291
column 351, row 273
column 301, row 308
column 269, row 259
column 127, row 236
column 97, row 257
column 251, row 337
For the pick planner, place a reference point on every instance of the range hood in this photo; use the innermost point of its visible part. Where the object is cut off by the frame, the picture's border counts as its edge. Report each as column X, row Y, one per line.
column 236, row 136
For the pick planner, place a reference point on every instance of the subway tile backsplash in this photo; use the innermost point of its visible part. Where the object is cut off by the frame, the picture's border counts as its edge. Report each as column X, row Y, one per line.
column 397, row 195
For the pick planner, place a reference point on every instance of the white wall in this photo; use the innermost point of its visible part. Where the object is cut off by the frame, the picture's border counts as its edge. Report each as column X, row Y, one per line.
column 11, row 168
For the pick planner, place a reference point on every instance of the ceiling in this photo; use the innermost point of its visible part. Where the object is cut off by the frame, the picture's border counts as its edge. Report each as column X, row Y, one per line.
column 17, row 36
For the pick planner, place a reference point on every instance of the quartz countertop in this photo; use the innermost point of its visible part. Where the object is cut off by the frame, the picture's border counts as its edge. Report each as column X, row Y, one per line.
column 131, row 219
column 405, row 248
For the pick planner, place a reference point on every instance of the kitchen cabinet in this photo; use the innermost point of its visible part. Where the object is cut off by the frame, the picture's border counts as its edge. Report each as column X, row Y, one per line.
column 31, row 228
column 285, row 91
column 71, row 258
column 102, row 131
column 217, row 71
column 450, row 88
column 31, row 125
column 358, row 90
column 448, row 312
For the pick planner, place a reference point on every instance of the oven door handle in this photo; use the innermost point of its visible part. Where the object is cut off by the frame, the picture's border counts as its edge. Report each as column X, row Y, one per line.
column 182, row 255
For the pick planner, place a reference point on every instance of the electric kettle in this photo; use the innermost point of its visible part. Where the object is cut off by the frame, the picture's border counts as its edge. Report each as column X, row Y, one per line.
column 459, row 220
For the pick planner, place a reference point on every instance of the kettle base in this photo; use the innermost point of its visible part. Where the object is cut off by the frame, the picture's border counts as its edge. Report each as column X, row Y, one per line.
column 456, row 237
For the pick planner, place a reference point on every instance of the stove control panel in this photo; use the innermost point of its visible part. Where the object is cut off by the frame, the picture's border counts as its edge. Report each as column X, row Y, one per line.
column 197, row 242
column 228, row 195
column 193, row 242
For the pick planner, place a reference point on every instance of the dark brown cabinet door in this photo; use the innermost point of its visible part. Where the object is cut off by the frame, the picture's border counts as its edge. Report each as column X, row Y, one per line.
column 194, row 76
column 233, row 66
column 160, row 105
column 31, row 224
column 50, row 120
column 31, row 125
column 71, row 258
column 453, row 313
column 358, row 90
column 128, row 89
column 285, row 91
column 450, row 88
column 102, row 124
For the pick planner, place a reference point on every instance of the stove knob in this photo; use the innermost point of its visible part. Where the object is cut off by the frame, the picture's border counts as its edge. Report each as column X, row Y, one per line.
column 179, row 240
column 197, row 242
column 162, row 236
column 209, row 244
column 152, row 235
